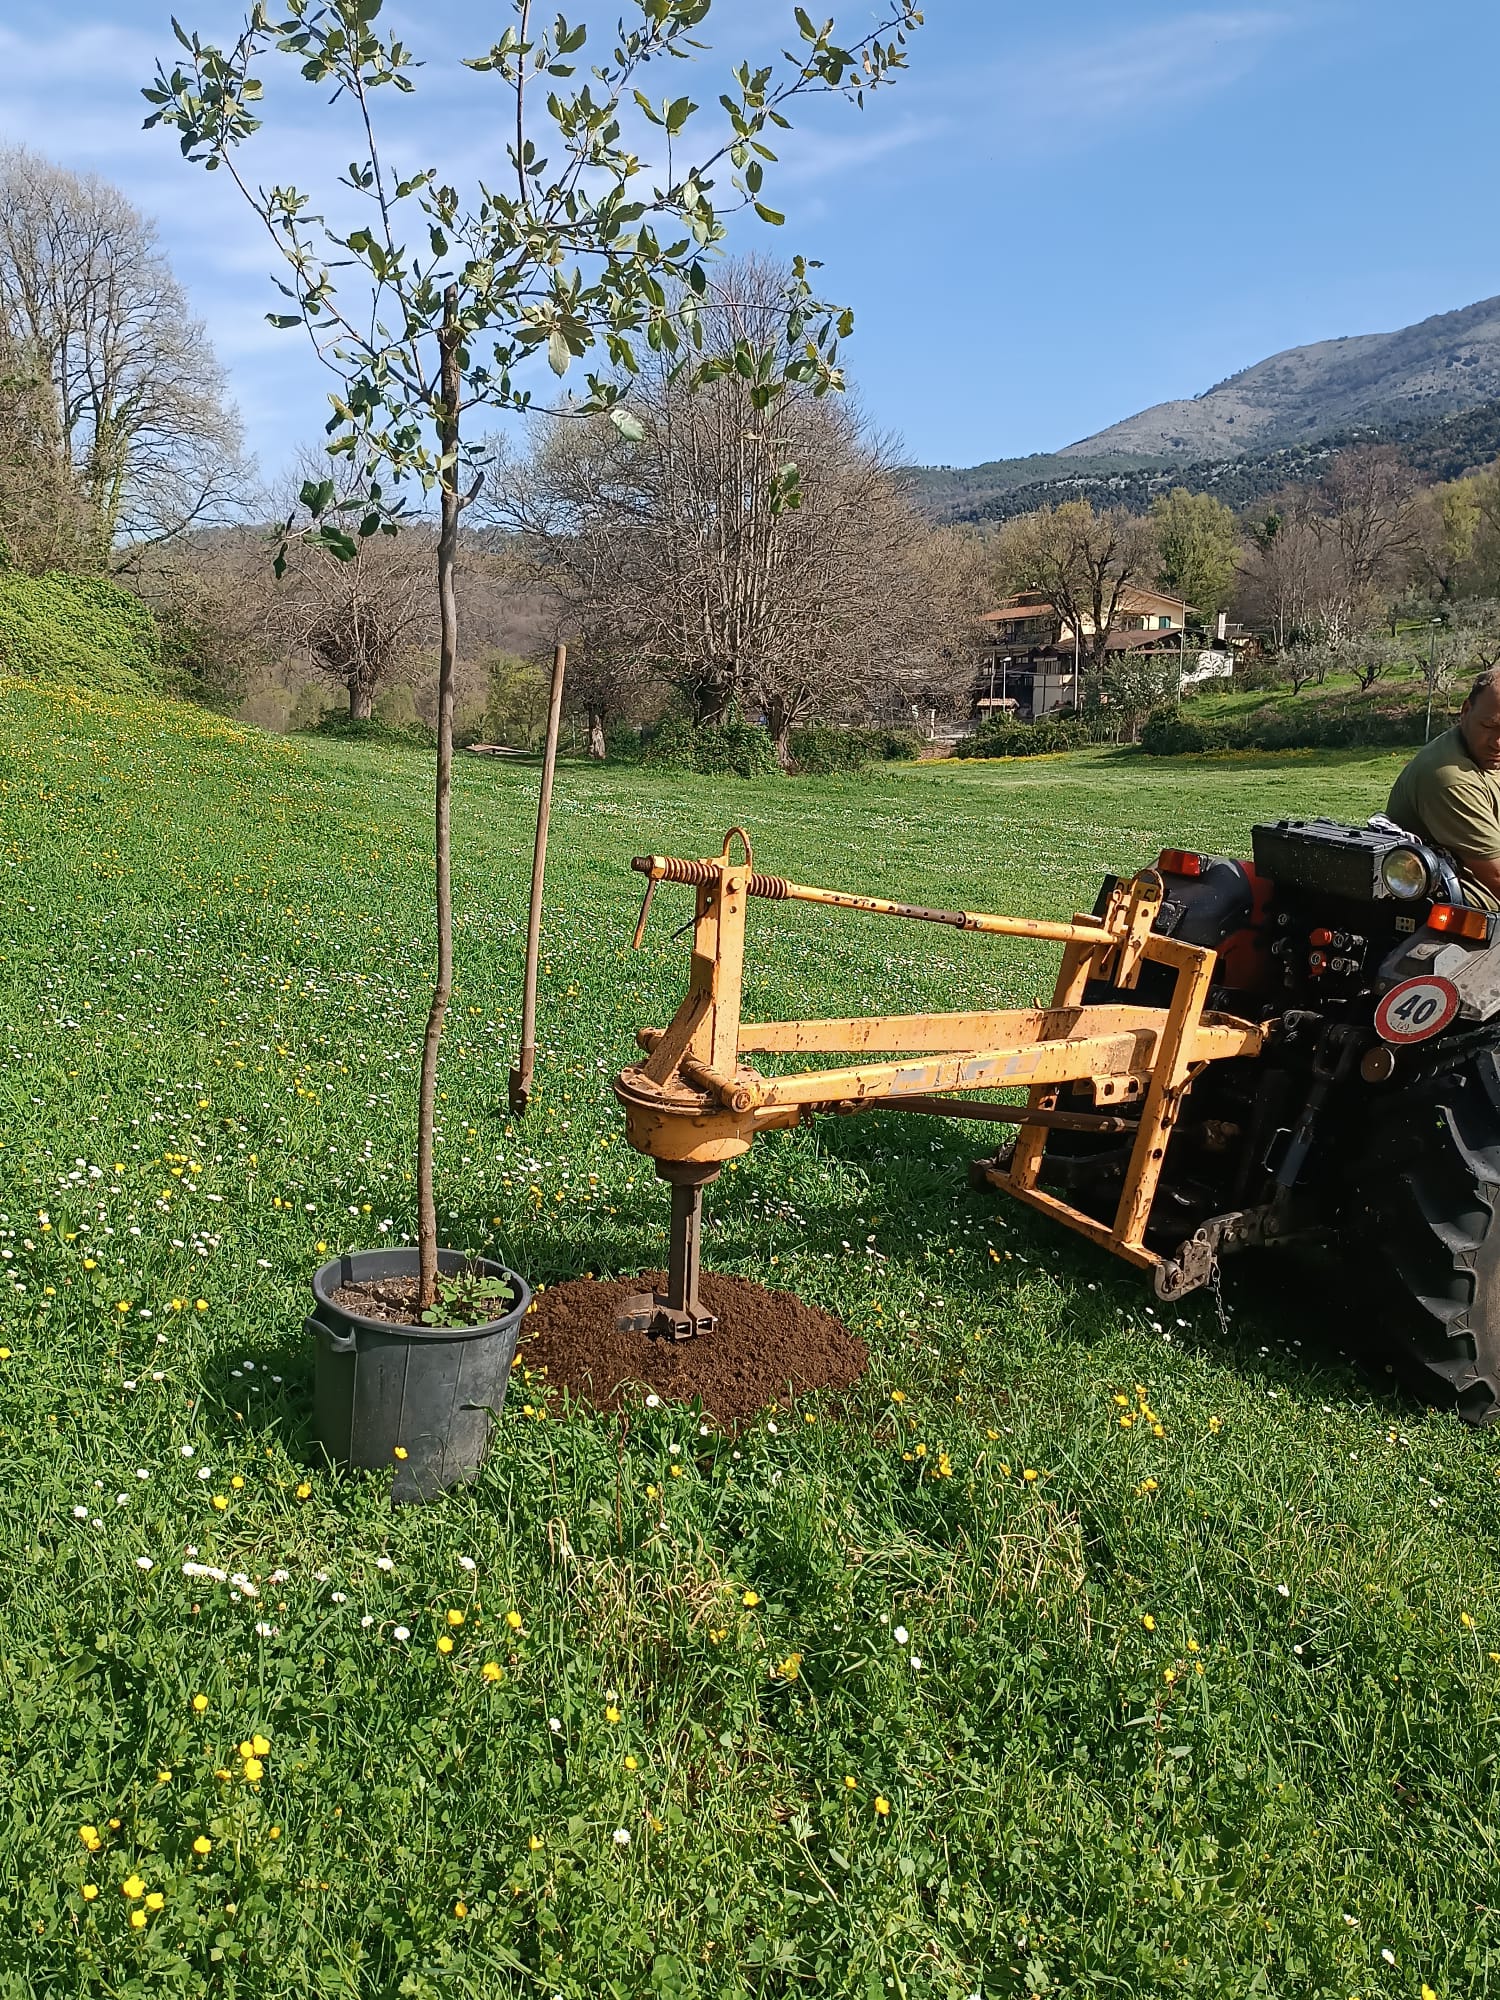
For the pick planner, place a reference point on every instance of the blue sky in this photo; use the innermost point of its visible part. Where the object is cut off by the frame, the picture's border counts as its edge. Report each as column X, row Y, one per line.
column 1059, row 216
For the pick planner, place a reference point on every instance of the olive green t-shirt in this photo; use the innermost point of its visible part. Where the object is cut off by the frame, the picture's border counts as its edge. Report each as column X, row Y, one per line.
column 1445, row 799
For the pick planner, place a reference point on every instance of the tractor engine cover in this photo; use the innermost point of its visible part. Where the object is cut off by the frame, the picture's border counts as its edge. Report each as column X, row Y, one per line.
column 1323, row 857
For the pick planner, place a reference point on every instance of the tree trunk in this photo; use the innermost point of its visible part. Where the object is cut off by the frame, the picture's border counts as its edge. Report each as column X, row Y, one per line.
column 447, row 556
column 361, row 701
column 779, row 723
column 712, row 695
column 596, row 734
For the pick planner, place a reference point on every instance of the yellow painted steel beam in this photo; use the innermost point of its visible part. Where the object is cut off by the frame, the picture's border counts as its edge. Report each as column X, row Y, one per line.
column 1072, row 1218
column 983, row 1033
column 1071, row 1060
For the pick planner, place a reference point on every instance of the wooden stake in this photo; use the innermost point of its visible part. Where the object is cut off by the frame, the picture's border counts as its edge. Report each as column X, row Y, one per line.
column 520, row 1077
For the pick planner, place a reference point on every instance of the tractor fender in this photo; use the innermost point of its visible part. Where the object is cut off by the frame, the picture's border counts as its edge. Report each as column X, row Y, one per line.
column 1472, row 966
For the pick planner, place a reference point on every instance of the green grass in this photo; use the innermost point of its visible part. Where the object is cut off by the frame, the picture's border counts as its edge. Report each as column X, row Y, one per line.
column 213, row 958
column 1401, row 692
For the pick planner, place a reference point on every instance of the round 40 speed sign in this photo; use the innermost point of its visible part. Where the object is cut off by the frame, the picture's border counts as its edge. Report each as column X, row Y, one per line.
column 1416, row 1009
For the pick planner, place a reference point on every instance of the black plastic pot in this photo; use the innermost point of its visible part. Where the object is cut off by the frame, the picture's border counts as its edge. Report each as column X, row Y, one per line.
column 431, row 1390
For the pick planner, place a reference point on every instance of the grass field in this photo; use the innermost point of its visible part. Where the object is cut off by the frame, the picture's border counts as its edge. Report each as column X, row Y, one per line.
column 1181, row 1678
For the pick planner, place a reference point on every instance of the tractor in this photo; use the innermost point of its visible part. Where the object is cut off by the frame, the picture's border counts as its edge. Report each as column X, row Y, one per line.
column 1303, row 1048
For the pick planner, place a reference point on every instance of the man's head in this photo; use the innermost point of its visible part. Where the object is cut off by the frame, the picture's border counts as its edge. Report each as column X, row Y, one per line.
column 1479, row 721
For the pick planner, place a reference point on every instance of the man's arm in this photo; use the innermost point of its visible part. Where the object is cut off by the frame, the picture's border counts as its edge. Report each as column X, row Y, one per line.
column 1485, row 873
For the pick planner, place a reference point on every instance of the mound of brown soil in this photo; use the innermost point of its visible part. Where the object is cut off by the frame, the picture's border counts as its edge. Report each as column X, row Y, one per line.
column 767, row 1348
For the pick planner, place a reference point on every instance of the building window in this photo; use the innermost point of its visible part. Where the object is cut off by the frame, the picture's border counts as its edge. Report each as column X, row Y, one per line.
column 1163, row 624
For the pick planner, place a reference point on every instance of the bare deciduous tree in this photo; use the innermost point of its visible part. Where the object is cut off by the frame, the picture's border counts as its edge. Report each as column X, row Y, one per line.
column 44, row 522
column 357, row 617
column 1082, row 563
column 1366, row 499
column 759, row 558
column 1325, row 559
column 140, row 407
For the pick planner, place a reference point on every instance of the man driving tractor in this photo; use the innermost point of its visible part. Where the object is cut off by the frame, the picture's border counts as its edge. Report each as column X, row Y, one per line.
column 1449, row 794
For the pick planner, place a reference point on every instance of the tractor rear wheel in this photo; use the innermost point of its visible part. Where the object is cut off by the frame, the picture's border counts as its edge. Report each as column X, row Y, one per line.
column 1421, row 1219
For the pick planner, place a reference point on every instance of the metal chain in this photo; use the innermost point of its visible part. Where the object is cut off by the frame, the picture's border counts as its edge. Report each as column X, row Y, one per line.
column 1216, row 1286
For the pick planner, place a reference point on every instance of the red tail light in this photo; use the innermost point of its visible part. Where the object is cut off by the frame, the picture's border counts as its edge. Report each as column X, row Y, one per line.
column 1456, row 922
column 1178, row 861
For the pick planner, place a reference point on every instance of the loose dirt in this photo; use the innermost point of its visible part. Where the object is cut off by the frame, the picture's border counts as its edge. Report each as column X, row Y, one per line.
column 767, row 1348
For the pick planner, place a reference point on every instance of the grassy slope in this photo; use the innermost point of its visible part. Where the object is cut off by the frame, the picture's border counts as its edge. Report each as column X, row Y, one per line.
column 1400, row 693
column 212, row 960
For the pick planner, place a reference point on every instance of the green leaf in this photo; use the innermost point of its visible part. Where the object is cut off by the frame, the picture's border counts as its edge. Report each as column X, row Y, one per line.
column 558, row 356
column 771, row 215
column 629, row 427
column 679, row 112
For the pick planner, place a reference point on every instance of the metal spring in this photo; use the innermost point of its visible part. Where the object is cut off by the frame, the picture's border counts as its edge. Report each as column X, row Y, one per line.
column 705, row 875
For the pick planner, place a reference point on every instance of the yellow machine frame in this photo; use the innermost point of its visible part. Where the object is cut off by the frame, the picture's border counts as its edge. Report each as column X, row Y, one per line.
column 694, row 1102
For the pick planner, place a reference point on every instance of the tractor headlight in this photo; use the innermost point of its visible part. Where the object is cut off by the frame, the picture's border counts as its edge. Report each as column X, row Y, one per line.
column 1405, row 874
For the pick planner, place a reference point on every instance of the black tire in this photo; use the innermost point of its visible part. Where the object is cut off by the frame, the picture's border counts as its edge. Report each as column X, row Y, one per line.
column 1421, row 1222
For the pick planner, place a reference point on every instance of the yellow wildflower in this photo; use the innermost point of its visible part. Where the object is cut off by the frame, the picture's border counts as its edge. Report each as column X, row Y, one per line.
column 882, row 1807
column 137, row 1920
column 132, row 1888
column 750, row 1599
column 445, row 1644
column 203, row 1845
column 89, row 1891
column 1149, row 1622
column 156, row 1900
column 200, row 1702
column 254, row 1770
column 492, row 1671
column 400, row 1451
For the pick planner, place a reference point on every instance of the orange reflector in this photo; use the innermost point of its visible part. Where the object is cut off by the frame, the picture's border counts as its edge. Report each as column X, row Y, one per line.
column 1456, row 922
column 1177, row 861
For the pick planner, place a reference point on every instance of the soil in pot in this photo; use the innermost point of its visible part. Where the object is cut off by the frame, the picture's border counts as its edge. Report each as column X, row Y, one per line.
column 398, row 1299
column 767, row 1348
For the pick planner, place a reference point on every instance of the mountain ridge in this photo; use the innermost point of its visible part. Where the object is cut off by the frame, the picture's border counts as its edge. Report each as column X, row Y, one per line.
column 1298, row 404
column 1445, row 363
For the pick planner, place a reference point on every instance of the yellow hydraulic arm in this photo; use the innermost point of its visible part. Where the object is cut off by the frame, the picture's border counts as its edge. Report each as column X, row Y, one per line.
column 694, row 1102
